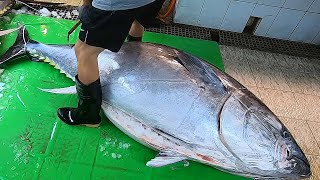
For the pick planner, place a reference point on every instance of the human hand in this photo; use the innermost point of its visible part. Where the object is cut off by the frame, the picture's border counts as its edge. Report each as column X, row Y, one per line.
column 86, row 2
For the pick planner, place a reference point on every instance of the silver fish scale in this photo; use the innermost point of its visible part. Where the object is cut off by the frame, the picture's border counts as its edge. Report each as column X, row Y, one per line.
column 177, row 103
column 63, row 56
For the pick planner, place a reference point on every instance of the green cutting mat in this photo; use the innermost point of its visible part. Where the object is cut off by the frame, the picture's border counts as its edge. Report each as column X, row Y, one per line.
column 34, row 144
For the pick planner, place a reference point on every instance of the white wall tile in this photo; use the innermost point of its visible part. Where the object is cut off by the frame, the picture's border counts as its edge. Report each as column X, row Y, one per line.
column 232, row 15
column 277, row 3
column 190, row 3
column 317, row 39
column 315, row 7
column 237, row 16
column 268, row 14
column 307, row 29
column 285, row 23
column 213, row 13
column 188, row 12
column 183, row 15
column 302, row 5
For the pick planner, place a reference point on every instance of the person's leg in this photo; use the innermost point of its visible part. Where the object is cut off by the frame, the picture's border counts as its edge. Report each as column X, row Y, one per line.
column 100, row 30
column 88, row 89
column 136, row 31
column 87, row 57
column 145, row 17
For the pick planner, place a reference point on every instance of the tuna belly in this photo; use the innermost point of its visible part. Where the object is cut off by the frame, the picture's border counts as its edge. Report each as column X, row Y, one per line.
column 172, row 149
column 136, row 129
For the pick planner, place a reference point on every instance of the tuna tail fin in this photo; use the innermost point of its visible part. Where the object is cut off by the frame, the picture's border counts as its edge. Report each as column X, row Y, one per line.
column 18, row 49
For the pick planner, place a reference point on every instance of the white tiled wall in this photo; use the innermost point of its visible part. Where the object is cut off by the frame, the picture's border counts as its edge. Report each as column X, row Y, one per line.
column 307, row 29
column 302, row 5
column 277, row 3
column 316, row 40
column 239, row 9
column 315, row 7
column 268, row 15
column 216, row 9
column 297, row 20
column 285, row 23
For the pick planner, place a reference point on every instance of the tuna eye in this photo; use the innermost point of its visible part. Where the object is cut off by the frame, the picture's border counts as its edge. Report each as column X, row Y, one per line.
column 285, row 134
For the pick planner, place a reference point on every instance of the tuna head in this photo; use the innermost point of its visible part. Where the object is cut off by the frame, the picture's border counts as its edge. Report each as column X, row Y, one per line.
column 261, row 144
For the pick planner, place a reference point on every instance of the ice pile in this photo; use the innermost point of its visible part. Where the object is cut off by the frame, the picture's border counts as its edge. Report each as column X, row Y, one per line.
column 47, row 13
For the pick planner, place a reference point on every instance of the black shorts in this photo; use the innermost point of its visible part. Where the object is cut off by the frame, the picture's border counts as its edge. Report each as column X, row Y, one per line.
column 109, row 29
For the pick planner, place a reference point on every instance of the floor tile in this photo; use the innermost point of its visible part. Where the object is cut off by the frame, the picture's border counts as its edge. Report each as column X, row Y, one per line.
column 282, row 103
column 315, row 167
column 302, row 134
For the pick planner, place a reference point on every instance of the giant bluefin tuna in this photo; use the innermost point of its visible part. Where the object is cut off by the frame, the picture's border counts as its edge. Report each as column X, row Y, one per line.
column 183, row 107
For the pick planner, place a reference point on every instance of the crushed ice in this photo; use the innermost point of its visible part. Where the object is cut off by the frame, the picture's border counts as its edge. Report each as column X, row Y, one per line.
column 47, row 13
column 112, row 143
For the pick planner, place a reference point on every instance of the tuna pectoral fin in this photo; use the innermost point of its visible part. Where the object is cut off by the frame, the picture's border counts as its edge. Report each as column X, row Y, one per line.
column 165, row 158
column 66, row 90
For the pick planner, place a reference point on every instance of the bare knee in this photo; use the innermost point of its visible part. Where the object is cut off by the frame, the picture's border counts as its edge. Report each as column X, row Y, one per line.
column 136, row 29
column 86, row 52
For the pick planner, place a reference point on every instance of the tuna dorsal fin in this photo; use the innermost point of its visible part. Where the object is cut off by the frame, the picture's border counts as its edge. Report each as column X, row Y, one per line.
column 200, row 70
column 165, row 158
column 18, row 49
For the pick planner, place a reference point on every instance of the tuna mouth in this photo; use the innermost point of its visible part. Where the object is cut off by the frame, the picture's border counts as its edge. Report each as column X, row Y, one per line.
column 306, row 175
column 302, row 169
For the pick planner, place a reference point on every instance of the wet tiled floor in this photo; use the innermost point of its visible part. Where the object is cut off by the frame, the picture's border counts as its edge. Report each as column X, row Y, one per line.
column 289, row 86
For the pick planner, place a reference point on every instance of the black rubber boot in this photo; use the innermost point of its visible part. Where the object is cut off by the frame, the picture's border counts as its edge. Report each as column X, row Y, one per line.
column 89, row 105
column 132, row 38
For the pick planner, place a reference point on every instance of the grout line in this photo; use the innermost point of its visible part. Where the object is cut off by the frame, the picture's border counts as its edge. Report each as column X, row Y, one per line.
column 310, row 5
column 309, row 154
column 296, row 26
column 318, row 144
column 283, row 3
column 225, row 14
column 313, row 121
column 201, row 11
column 316, row 37
column 276, row 16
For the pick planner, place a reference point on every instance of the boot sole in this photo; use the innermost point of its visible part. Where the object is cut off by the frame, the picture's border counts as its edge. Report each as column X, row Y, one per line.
column 87, row 125
column 91, row 125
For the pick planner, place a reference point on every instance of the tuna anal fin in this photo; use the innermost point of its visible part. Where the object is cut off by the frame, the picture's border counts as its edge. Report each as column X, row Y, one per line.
column 66, row 90
column 165, row 158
